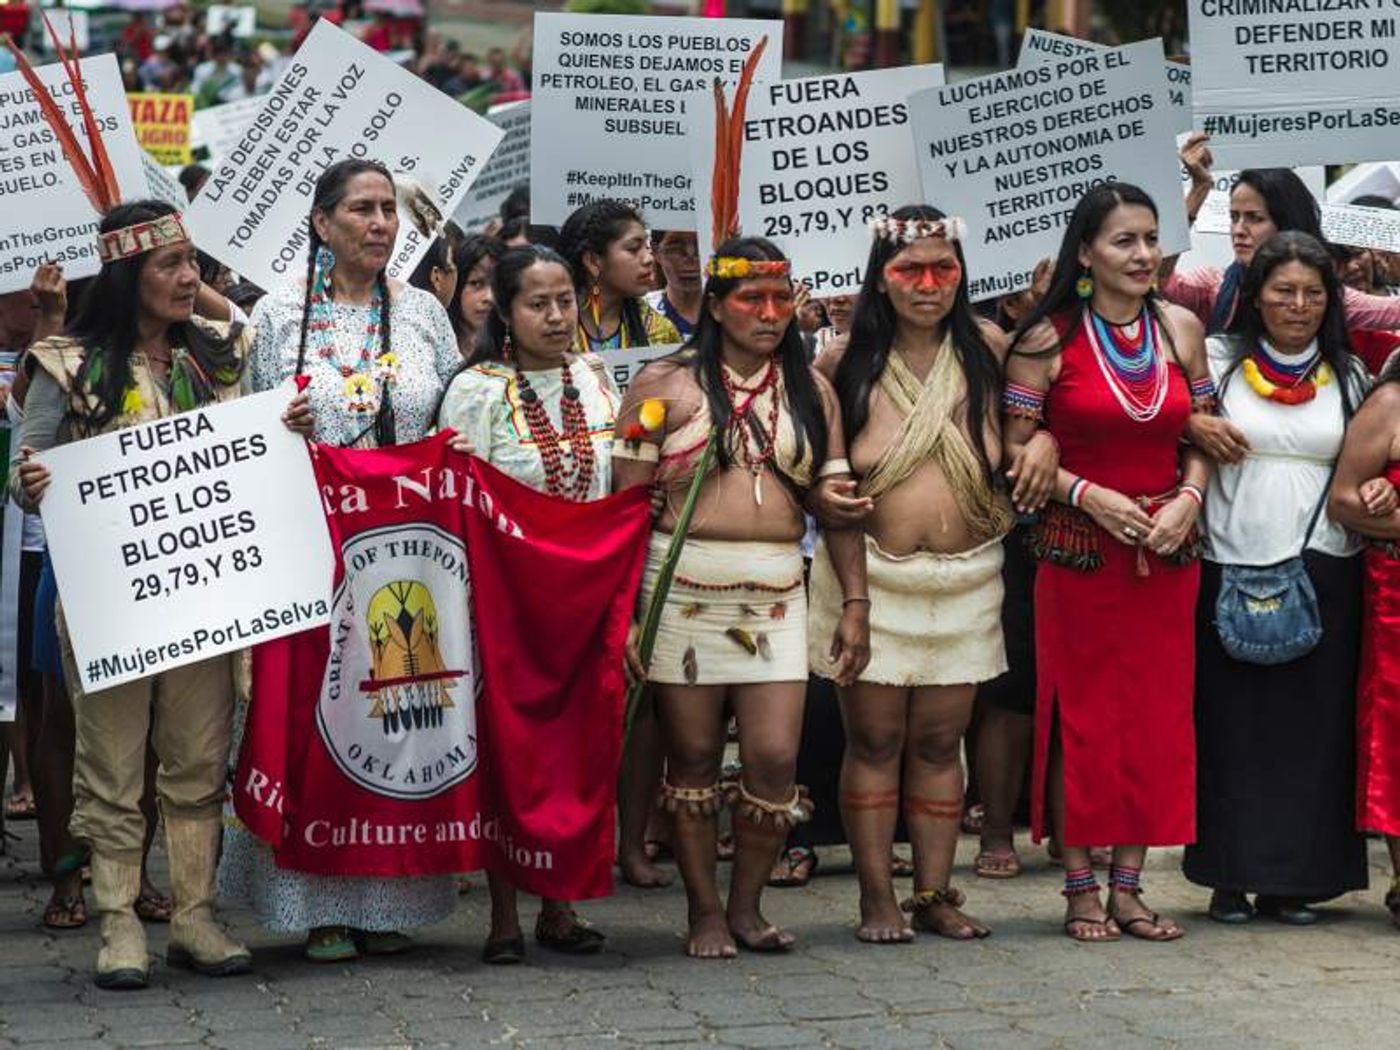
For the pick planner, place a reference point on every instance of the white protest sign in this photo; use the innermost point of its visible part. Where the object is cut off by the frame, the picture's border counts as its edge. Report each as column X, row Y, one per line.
column 609, row 107
column 241, row 21
column 185, row 538
column 1359, row 227
column 1280, row 84
column 1039, row 48
column 163, row 185
column 219, row 129
column 337, row 99
column 1013, row 153
column 623, row 365
column 822, row 157
column 45, row 215
column 1214, row 216
column 508, row 167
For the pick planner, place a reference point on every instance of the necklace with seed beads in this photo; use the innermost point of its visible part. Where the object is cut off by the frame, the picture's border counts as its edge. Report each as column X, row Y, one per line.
column 549, row 441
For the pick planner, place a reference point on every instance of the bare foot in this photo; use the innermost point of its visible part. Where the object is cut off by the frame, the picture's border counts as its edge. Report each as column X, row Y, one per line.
column 1086, row 920
column 637, row 870
column 710, row 939
column 946, row 920
column 881, row 922
column 756, row 934
column 1138, row 920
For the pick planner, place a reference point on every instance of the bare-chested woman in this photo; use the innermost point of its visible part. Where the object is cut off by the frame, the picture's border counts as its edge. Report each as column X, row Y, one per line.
column 919, row 381
column 734, row 625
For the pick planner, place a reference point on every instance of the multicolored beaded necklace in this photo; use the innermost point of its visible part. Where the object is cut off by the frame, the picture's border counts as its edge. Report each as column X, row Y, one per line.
column 742, row 421
column 1283, row 381
column 364, row 380
column 549, row 441
column 1137, row 375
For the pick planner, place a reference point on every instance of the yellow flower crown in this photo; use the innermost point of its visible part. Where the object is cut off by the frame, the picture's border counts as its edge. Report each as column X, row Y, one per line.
column 731, row 268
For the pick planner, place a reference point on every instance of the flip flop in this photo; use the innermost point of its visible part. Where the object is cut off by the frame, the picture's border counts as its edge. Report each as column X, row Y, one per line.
column 801, row 866
column 1081, row 921
column 1130, row 927
column 154, row 906
column 581, row 939
column 901, row 867
column 997, row 864
column 21, row 808
column 330, row 944
column 505, row 951
column 66, row 913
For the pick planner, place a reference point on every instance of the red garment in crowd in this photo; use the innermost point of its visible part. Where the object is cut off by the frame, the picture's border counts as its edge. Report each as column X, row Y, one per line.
column 138, row 40
column 1373, row 346
column 1378, row 698
column 1115, row 650
column 464, row 708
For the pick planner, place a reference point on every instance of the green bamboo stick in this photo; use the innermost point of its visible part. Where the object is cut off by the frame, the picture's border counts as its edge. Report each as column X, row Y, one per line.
column 652, row 620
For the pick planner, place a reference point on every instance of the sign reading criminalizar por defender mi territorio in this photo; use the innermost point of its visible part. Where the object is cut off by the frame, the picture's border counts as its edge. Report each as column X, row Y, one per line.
column 187, row 537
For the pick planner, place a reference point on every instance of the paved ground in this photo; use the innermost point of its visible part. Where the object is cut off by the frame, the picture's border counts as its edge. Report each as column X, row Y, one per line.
column 1027, row 987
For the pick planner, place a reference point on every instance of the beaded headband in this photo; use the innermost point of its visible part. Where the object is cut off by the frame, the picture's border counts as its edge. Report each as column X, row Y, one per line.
column 907, row 231
column 728, row 267
column 140, row 238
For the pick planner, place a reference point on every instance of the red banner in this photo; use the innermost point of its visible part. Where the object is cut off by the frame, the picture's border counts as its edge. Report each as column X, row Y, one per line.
column 400, row 740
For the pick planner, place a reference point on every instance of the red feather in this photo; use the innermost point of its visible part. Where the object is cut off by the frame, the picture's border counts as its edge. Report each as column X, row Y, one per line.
column 53, row 116
column 101, row 163
column 719, row 217
column 736, row 130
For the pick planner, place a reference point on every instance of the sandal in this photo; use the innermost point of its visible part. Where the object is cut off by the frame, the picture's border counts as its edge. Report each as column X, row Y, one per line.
column 973, row 818
column 1151, row 920
column 504, row 951
column 65, row 913
column 724, row 849
column 580, row 939
column 997, row 864
column 154, row 906
column 329, row 944
column 1082, row 937
column 801, row 865
column 382, row 942
column 901, row 867
column 21, row 808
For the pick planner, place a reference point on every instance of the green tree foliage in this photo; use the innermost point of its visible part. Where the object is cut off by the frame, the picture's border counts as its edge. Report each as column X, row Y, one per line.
column 609, row 7
column 1132, row 20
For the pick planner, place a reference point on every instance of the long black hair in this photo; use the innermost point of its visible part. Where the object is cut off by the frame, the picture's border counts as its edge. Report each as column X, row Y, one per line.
column 437, row 257
column 707, row 340
column 593, row 228
column 1060, row 298
column 331, row 189
column 1291, row 206
column 506, row 280
column 1247, row 327
column 472, row 250
column 105, row 324
column 872, row 336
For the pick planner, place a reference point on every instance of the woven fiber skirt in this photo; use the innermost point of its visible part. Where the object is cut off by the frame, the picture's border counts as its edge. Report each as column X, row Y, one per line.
column 736, row 613
column 935, row 619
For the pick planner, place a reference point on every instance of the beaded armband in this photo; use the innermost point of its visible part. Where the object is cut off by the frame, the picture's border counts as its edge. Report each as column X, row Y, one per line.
column 1204, row 397
column 640, row 451
column 1024, row 402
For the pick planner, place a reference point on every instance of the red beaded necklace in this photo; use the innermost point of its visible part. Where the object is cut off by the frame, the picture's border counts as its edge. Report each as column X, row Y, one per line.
column 741, row 420
column 548, row 440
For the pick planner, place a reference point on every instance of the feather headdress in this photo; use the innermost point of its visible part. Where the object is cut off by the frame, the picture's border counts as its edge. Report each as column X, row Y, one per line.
column 95, row 174
column 729, row 148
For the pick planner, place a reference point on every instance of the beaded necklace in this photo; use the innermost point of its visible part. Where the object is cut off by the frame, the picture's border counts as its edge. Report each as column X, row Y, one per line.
column 1285, row 382
column 548, row 440
column 742, row 420
column 364, row 380
column 1137, row 375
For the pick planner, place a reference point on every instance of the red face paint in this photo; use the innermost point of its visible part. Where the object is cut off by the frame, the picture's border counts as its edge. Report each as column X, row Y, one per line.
column 765, row 306
column 923, row 277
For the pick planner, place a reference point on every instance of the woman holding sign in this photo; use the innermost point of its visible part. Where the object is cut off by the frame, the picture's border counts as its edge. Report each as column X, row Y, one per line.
column 733, row 626
column 607, row 247
column 1113, row 375
column 134, row 352
column 377, row 354
column 920, row 388
column 544, row 415
column 1276, row 702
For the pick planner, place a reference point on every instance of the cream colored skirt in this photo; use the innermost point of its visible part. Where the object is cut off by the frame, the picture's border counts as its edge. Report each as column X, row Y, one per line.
column 735, row 614
column 935, row 619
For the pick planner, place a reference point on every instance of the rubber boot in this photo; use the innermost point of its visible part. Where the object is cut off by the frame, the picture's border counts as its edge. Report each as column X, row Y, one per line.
column 197, row 942
column 123, row 963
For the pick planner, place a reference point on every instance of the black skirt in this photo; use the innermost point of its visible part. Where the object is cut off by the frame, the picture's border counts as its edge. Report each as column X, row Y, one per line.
column 1276, row 753
column 1015, row 690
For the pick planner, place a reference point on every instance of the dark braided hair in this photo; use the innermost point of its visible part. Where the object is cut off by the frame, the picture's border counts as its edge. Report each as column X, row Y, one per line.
column 594, row 228
column 331, row 189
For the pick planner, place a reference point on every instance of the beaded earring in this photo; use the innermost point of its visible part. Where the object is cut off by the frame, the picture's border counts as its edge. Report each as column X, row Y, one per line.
column 325, row 261
column 595, row 303
column 1084, row 287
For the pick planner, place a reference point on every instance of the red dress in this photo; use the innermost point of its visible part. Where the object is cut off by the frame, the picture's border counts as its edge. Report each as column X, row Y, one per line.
column 1378, row 701
column 1116, row 650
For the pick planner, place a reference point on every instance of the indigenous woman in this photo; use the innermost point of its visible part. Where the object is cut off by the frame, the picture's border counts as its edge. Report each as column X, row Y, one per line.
column 919, row 384
column 733, row 626
column 133, row 353
column 474, row 262
column 338, row 330
column 436, row 272
column 677, row 255
column 838, row 310
column 1108, row 370
column 1362, row 499
column 534, row 409
column 606, row 245
column 1263, row 201
column 1275, row 740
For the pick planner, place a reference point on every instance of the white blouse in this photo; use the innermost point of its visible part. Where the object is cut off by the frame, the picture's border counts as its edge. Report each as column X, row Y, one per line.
column 1257, row 510
column 483, row 403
